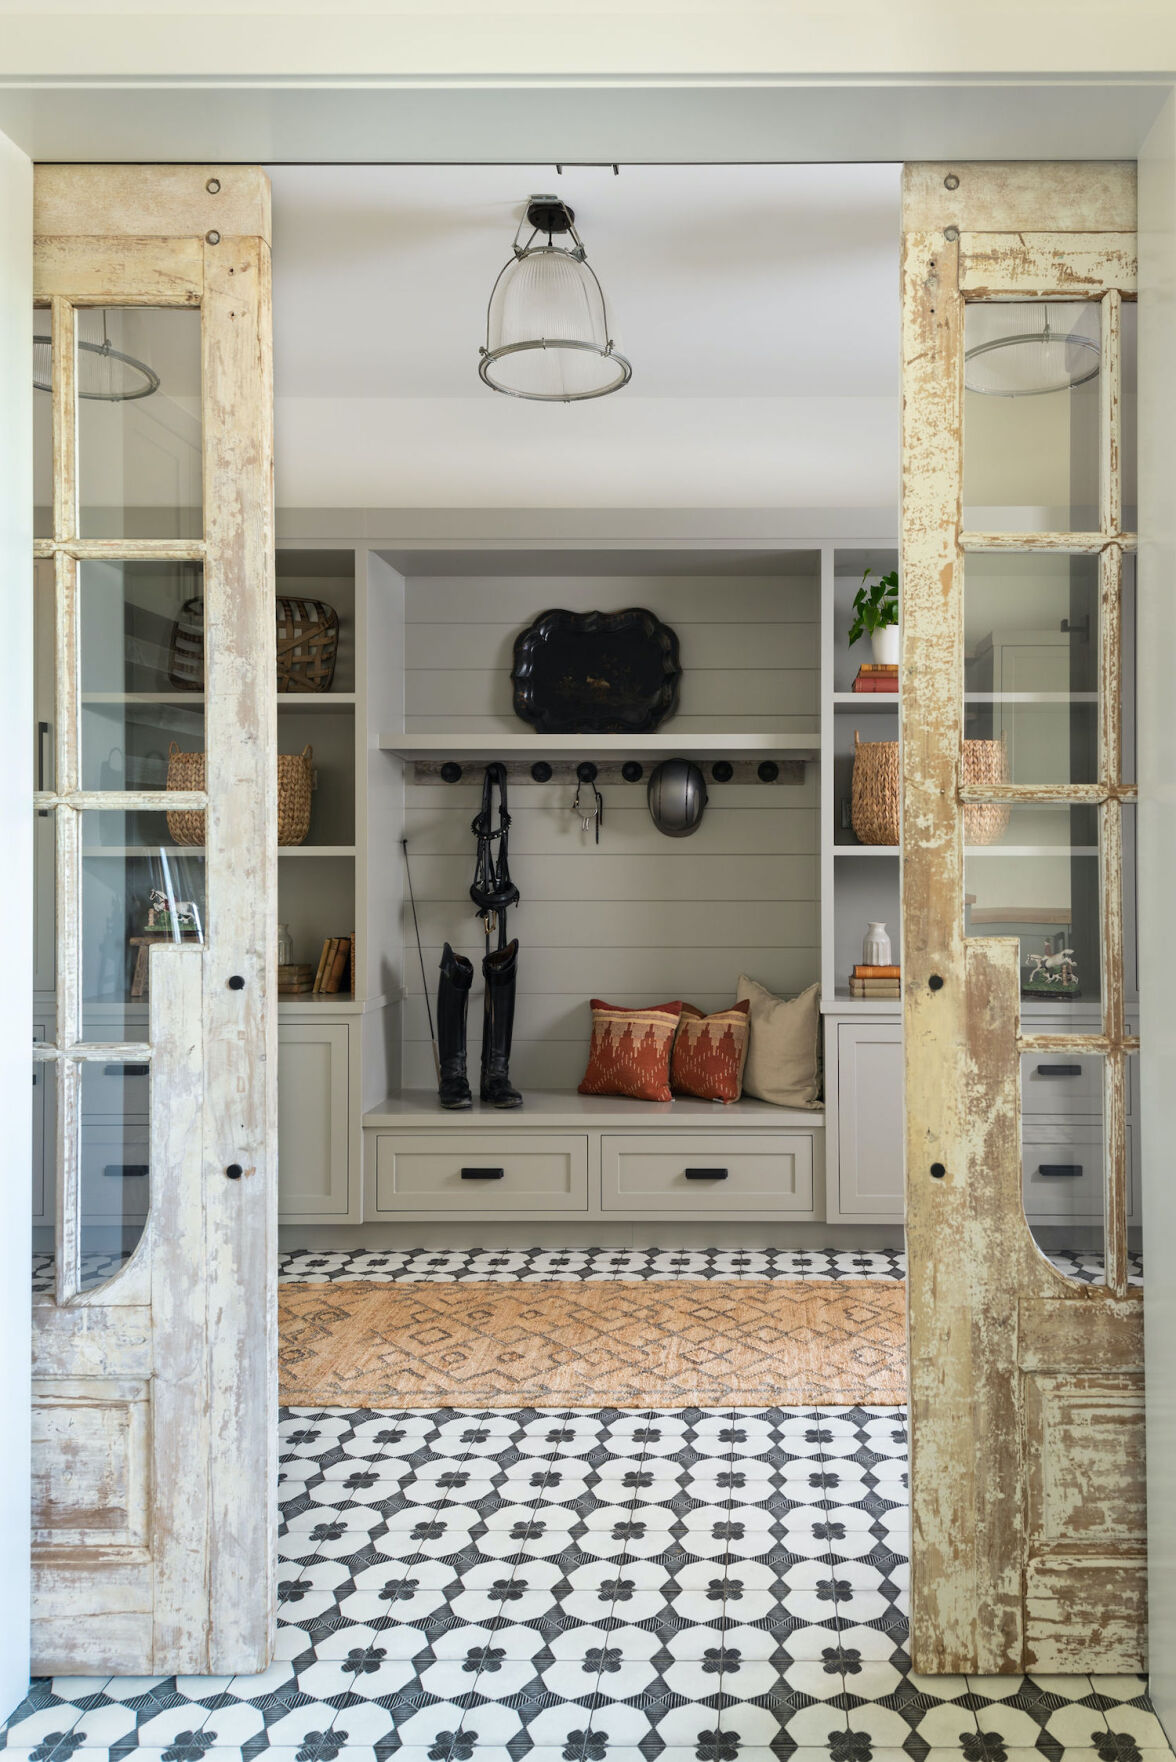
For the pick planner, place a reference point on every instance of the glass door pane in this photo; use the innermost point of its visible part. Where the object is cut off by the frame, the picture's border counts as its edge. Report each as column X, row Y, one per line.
column 1031, row 662
column 139, row 428
column 1031, row 412
column 142, row 673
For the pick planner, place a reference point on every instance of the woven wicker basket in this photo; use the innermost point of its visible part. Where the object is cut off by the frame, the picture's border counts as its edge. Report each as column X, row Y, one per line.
column 307, row 644
column 875, row 793
column 295, row 783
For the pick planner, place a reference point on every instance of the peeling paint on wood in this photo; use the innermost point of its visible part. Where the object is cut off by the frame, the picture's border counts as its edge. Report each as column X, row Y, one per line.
column 156, row 1390
column 1045, row 266
column 994, row 1587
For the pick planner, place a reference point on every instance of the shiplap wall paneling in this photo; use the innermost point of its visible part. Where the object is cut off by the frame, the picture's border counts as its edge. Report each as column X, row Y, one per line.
column 640, row 917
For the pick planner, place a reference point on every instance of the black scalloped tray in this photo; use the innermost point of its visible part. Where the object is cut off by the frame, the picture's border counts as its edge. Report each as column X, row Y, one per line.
column 596, row 672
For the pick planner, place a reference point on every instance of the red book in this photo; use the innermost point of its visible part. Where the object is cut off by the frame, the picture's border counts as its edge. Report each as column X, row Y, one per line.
column 877, row 682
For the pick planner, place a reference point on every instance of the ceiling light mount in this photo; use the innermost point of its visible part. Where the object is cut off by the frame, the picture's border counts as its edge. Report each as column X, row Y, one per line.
column 550, row 214
column 547, row 328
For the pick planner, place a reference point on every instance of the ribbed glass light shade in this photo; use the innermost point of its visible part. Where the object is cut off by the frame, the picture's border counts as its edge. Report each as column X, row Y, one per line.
column 1025, row 349
column 102, row 372
column 547, row 331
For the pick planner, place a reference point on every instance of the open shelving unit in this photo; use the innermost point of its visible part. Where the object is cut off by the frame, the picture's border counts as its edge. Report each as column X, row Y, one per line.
column 861, row 881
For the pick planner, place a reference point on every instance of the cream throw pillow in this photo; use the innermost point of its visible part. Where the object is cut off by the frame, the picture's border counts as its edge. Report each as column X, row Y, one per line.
column 782, row 1053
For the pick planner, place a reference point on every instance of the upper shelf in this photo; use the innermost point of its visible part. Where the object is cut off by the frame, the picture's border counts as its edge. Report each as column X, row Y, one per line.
column 602, row 746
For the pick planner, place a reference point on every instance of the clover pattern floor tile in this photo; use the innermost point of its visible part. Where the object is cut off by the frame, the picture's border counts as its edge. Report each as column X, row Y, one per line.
column 310, row 1266
column 544, row 1265
column 694, row 1586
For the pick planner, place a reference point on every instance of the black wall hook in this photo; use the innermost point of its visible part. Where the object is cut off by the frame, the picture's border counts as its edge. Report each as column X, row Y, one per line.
column 586, row 772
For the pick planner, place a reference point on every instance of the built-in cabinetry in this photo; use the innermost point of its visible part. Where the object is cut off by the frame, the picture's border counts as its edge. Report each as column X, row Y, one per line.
column 774, row 883
column 592, row 1157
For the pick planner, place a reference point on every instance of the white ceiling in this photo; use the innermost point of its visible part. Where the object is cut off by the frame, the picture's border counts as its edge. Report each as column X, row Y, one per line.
column 758, row 304
column 744, row 281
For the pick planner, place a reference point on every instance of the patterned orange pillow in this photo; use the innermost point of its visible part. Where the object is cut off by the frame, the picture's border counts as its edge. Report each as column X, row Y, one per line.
column 630, row 1051
column 710, row 1053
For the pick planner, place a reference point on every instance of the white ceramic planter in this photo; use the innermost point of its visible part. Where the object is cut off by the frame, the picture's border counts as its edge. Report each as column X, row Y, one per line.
column 885, row 645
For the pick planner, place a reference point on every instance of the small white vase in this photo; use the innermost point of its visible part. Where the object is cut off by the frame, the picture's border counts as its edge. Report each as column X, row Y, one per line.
column 876, row 950
column 885, row 645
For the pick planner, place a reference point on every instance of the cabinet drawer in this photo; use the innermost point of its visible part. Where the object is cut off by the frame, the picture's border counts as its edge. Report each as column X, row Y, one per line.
column 1059, row 1084
column 708, row 1172
column 1067, row 1197
column 108, row 1192
column 486, row 1172
column 116, row 1091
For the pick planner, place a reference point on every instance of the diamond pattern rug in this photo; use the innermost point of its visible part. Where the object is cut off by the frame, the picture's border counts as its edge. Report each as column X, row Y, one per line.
column 652, row 1344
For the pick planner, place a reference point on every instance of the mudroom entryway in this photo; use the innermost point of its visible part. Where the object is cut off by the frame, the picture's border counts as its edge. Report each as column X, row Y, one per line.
column 612, row 706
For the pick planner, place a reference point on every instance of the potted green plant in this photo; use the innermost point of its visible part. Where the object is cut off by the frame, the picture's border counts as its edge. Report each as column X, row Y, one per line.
column 875, row 613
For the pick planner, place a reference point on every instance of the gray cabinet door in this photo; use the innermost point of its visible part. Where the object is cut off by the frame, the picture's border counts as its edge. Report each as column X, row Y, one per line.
column 869, row 1102
column 313, row 1134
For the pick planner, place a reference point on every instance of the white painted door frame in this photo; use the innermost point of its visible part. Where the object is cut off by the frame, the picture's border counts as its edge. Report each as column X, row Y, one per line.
column 16, row 901
column 711, row 118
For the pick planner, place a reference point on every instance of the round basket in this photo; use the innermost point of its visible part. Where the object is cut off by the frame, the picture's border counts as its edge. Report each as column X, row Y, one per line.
column 875, row 792
column 295, row 783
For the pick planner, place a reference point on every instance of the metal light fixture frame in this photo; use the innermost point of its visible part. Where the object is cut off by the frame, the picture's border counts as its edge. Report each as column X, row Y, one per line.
column 550, row 215
column 109, row 353
column 1045, row 335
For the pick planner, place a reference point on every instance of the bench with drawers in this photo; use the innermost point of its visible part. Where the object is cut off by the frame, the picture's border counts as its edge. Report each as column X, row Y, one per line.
column 591, row 1157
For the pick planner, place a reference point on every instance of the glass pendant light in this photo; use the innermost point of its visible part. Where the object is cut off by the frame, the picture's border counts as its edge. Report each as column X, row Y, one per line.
column 103, row 372
column 1026, row 349
column 547, row 333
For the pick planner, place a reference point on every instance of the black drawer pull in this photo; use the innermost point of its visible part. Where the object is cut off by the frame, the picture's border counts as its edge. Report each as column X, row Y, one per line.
column 705, row 1174
column 117, row 1170
column 125, row 1070
column 1055, row 1171
column 483, row 1174
column 1059, row 1070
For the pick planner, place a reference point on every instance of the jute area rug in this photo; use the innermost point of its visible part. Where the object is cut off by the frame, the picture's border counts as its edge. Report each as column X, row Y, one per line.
column 666, row 1344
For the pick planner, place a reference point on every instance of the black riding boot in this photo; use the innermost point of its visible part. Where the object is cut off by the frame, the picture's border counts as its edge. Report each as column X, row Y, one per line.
column 453, row 996
column 499, row 970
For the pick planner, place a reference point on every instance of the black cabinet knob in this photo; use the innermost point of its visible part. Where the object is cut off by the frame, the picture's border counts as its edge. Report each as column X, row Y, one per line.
column 236, row 983
column 937, row 1171
column 234, row 1171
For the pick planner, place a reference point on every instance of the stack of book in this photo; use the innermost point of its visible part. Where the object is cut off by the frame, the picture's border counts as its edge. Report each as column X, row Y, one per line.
column 876, row 676
column 334, row 968
column 296, row 980
column 876, row 982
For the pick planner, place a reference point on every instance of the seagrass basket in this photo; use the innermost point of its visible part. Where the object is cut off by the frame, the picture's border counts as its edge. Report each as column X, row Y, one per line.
column 295, row 782
column 307, row 644
column 874, row 808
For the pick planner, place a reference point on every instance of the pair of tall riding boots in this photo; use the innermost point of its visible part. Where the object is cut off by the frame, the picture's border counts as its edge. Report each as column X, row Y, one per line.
column 493, row 892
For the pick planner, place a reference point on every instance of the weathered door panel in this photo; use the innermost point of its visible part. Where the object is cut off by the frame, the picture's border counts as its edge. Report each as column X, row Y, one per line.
column 1027, row 1440
column 154, row 1362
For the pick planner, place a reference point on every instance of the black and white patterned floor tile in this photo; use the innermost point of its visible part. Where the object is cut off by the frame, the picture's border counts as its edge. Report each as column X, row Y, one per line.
column 625, row 1265
column 319, row 1266
column 444, row 1265
column 695, row 1586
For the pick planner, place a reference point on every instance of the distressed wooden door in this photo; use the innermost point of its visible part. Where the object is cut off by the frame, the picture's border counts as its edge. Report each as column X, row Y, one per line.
column 154, row 1310
column 1026, row 1332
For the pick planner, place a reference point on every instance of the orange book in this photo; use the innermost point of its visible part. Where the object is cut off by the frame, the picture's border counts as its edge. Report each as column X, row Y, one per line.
column 863, row 972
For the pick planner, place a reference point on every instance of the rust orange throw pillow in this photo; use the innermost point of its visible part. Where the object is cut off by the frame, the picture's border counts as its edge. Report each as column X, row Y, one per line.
column 710, row 1052
column 630, row 1051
